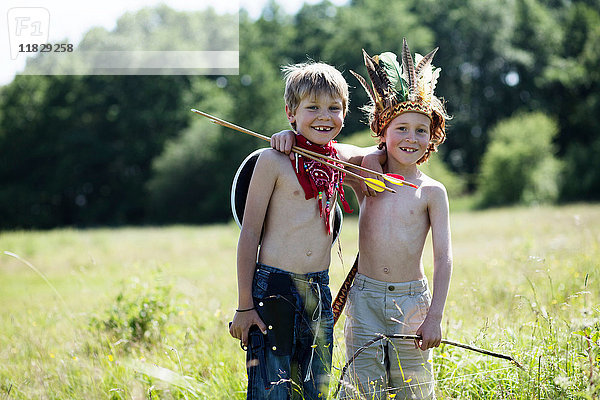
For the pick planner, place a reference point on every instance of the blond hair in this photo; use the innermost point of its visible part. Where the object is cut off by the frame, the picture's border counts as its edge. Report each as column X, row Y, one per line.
column 312, row 79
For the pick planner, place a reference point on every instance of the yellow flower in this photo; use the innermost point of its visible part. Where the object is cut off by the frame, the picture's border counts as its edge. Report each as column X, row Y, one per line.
column 51, row 355
column 110, row 358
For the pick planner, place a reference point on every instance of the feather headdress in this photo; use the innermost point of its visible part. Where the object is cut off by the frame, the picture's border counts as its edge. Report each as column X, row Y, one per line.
column 397, row 88
column 403, row 86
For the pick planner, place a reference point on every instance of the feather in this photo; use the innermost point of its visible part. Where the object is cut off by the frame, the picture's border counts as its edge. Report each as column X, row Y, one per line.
column 378, row 84
column 387, row 88
column 364, row 84
column 434, row 79
column 393, row 71
column 425, row 61
column 386, row 84
column 409, row 68
column 381, row 83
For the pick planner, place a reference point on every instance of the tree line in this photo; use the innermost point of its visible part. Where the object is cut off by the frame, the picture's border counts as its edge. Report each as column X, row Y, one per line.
column 520, row 78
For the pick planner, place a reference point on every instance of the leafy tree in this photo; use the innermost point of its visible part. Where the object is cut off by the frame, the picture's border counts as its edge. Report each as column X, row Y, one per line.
column 571, row 80
column 473, row 39
column 519, row 165
column 77, row 150
column 81, row 155
column 191, row 178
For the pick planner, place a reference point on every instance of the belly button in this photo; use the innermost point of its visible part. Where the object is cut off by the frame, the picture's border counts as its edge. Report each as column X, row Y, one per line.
column 386, row 270
column 308, row 252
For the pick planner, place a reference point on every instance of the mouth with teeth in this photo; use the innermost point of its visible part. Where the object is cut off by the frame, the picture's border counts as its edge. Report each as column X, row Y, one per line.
column 408, row 149
column 324, row 129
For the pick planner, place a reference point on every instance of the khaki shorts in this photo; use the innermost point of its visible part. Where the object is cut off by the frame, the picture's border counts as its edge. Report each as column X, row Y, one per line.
column 394, row 365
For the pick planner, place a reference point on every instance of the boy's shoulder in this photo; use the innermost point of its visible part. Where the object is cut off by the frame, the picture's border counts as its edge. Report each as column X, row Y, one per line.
column 273, row 158
column 274, row 165
column 432, row 186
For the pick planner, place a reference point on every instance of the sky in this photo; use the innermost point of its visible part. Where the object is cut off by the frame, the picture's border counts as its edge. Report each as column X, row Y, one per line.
column 70, row 19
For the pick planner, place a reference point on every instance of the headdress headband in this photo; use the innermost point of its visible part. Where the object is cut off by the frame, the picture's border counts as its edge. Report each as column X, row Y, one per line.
column 398, row 89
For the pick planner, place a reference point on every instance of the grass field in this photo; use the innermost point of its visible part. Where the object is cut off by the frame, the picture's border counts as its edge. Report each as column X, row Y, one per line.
column 141, row 313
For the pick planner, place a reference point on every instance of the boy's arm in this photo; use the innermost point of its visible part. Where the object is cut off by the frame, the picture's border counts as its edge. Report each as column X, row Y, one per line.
column 355, row 155
column 283, row 141
column 375, row 161
column 260, row 190
column 438, row 208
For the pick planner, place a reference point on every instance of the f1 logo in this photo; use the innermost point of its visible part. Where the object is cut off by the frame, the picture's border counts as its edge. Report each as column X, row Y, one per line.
column 27, row 25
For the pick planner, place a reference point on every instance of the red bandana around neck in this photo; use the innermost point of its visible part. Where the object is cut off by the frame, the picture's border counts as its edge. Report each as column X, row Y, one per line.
column 319, row 179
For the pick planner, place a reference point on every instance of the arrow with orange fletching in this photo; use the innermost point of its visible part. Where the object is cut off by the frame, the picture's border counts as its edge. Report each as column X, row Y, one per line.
column 374, row 184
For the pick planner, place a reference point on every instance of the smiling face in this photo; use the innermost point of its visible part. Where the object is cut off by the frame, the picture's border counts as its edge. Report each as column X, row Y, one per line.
column 319, row 118
column 407, row 137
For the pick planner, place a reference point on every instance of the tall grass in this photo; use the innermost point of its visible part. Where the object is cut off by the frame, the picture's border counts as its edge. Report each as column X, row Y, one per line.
column 145, row 310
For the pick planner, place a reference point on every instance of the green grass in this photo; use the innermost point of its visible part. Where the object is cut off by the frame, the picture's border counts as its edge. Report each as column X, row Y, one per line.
column 525, row 283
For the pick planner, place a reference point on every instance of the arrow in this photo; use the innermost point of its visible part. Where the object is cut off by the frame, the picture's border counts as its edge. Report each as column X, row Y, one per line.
column 374, row 184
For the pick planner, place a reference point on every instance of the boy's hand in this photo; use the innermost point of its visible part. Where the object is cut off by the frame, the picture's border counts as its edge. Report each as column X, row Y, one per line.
column 430, row 332
column 284, row 141
column 372, row 161
column 242, row 321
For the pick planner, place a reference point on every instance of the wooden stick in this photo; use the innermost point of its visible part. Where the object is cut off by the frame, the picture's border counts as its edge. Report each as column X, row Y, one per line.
column 306, row 153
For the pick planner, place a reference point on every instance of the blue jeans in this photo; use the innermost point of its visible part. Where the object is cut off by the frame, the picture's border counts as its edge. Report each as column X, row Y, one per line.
column 306, row 364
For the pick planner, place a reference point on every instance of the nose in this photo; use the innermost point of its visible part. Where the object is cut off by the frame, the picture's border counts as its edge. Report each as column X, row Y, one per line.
column 411, row 136
column 323, row 114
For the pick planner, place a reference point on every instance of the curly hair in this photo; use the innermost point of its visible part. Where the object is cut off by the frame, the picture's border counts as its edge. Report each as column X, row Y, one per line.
column 437, row 129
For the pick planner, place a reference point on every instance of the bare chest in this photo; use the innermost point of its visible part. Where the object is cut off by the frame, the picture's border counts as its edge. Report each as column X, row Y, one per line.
column 402, row 211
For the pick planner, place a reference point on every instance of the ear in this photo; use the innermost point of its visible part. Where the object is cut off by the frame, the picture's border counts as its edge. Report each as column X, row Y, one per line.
column 382, row 137
column 291, row 116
